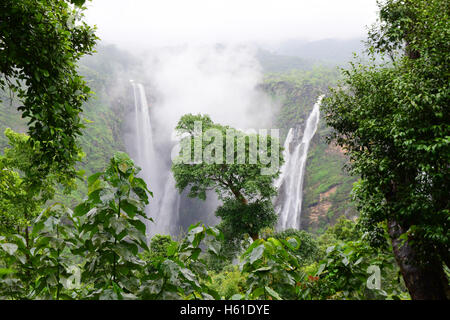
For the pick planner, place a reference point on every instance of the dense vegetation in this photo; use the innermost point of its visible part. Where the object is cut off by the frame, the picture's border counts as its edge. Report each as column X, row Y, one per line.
column 40, row 43
column 393, row 121
column 86, row 238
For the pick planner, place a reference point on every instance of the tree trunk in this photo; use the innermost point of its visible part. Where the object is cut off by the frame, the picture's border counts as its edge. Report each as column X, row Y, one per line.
column 239, row 196
column 254, row 236
column 244, row 201
column 425, row 281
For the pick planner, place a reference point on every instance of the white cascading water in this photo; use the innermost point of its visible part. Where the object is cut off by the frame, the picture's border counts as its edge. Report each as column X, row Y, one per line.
column 169, row 206
column 163, row 207
column 143, row 150
column 288, row 204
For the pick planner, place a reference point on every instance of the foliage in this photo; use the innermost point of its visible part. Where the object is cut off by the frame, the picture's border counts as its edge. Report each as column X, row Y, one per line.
column 273, row 270
column 307, row 251
column 343, row 230
column 102, row 115
column 239, row 220
column 112, row 228
column 245, row 218
column 238, row 178
column 229, row 282
column 11, row 201
column 21, row 196
column 40, row 43
column 183, row 273
column 243, row 181
column 396, row 134
column 99, row 251
column 159, row 245
column 344, row 273
column 92, row 252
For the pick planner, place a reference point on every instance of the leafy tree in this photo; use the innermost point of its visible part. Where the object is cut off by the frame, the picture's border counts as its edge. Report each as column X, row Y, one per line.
column 392, row 120
column 307, row 251
column 182, row 272
column 92, row 252
column 40, row 43
column 159, row 244
column 273, row 270
column 21, row 195
column 230, row 281
column 238, row 179
column 343, row 230
column 11, row 201
column 344, row 272
column 113, row 228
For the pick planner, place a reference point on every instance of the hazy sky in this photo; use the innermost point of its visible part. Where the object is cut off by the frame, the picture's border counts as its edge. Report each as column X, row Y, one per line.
column 162, row 22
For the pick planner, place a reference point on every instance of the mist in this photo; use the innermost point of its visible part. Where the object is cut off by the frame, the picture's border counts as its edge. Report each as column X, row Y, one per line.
column 221, row 81
column 218, row 80
column 143, row 23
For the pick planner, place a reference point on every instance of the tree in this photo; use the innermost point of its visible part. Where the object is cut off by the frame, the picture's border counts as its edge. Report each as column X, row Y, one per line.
column 237, row 169
column 22, row 194
column 114, row 225
column 308, row 249
column 392, row 119
column 40, row 43
column 94, row 251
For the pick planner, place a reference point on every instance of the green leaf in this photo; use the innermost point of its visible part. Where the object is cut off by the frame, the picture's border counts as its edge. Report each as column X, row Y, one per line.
column 138, row 224
column 81, row 209
column 123, row 167
column 256, row 253
column 10, row 248
column 129, row 208
column 294, row 242
column 263, row 269
column 257, row 292
column 273, row 293
column 321, row 268
column 94, row 178
column 78, row 3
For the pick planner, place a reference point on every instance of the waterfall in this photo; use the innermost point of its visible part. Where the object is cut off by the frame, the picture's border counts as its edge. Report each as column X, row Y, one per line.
column 288, row 204
column 163, row 207
column 143, row 151
column 170, row 203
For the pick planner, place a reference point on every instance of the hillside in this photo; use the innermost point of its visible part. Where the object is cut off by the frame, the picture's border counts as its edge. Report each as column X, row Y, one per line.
column 327, row 187
column 103, row 113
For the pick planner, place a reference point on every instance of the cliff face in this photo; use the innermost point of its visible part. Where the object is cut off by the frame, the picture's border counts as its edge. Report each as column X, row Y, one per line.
column 327, row 187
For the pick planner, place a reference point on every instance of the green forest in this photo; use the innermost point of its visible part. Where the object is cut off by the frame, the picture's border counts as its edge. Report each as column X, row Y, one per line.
column 74, row 203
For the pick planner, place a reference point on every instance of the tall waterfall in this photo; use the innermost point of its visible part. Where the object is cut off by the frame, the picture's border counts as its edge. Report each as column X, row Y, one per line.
column 163, row 207
column 288, row 204
column 169, row 206
column 143, row 151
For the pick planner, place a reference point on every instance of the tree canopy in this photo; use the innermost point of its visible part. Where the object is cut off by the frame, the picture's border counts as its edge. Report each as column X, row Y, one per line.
column 40, row 43
column 392, row 120
column 237, row 172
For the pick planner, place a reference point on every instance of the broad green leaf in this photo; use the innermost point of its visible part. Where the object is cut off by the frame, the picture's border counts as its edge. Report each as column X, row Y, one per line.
column 10, row 248
column 272, row 293
column 93, row 178
column 256, row 253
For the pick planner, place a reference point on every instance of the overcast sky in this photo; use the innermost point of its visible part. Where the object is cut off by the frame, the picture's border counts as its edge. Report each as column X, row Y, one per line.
column 162, row 22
